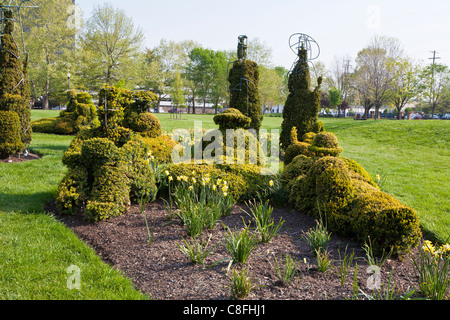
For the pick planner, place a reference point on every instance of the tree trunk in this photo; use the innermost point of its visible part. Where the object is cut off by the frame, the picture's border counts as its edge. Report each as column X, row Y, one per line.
column 45, row 102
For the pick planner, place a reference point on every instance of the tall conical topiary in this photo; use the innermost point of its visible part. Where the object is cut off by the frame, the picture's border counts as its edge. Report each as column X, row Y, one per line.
column 244, row 95
column 302, row 106
column 14, row 88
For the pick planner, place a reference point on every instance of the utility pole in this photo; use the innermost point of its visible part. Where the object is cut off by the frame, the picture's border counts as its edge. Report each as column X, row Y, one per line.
column 432, row 102
column 434, row 57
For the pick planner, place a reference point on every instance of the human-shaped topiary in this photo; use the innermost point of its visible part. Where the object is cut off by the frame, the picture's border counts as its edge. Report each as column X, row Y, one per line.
column 302, row 106
column 244, row 94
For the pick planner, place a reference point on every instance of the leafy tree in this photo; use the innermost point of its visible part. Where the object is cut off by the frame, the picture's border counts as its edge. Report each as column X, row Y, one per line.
column 433, row 81
column 204, row 70
column 335, row 97
column 270, row 87
column 115, row 43
column 177, row 92
column 50, row 44
column 403, row 86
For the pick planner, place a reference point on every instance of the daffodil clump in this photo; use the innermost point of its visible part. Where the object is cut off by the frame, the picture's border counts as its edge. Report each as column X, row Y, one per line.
column 201, row 201
column 442, row 252
column 433, row 268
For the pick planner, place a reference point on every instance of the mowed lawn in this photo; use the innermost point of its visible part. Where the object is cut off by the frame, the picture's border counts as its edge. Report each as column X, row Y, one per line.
column 412, row 158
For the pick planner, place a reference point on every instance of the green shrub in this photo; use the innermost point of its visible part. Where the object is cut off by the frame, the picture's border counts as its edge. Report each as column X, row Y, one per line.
column 65, row 126
column 161, row 148
column 389, row 223
column 232, row 119
column 10, row 134
column 340, row 190
column 325, row 144
column 45, row 125
column 147, row 124
column 295, row 149
column 109, row 196
column 71, row 192
column 111, row 176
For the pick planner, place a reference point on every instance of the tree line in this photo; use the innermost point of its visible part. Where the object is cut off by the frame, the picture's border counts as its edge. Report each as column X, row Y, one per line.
column 107, row 47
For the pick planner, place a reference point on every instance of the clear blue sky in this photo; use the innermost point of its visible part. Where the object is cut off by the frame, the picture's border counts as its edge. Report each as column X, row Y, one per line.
column 341, row 27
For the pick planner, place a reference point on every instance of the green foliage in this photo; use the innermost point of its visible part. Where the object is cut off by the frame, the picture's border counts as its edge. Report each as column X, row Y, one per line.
column 103, row 179
column 261, row 214
column 241, row 284
column 285, row 272
column 317, row 238
column 14, row 85
column 240, row 244
column 301, row 109
column 195, row 250
column 161, row 148
column 244, row 94
column 232, row 119
column 146, row 124
column 390, row 224
column 349, row 198
column 325, row 144
column 10, row 137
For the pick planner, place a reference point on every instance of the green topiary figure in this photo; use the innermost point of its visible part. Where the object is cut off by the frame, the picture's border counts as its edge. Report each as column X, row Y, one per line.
column 14, row 88
column 244, row 95
column 10, row 138
column 302, row 106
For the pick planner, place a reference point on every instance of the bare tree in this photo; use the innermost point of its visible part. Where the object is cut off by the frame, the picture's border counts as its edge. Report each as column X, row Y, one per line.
column 373, row 69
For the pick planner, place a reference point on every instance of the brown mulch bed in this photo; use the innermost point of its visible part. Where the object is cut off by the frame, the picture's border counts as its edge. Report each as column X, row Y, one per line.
column 20, row 158
column 165, row 273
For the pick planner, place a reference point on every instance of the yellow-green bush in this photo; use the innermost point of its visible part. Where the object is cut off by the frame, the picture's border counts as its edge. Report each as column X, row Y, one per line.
column 106, row 177
column 146, row 124
column 45, row 125
column 10, row 133
column 342, row 192
column 388, row 223
column 232, row 119
column 325, row 144
column 161, row 148
column 295, row 149
column 109, row 196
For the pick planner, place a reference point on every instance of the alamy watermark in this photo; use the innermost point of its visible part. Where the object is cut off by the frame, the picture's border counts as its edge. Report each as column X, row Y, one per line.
column 74, row 21
column 373, row 21
column 74, row 280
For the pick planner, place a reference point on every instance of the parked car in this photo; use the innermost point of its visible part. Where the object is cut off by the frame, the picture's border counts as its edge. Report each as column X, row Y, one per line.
column 446, row 116
column 434, row 116
column 416, row 117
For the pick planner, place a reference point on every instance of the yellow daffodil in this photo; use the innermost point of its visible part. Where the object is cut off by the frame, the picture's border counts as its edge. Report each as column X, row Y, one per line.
column 271, row 183
column 191, row 187
column 225, row 194
column 378, row 178
column 214, row 187
column 167, row 173
column 170, row 178
column 179, row 178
